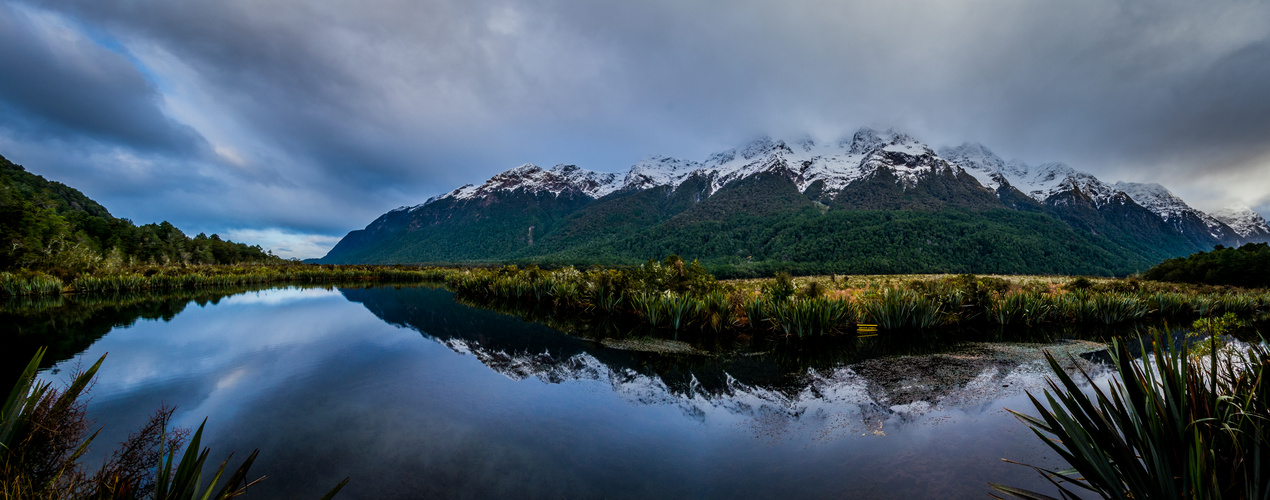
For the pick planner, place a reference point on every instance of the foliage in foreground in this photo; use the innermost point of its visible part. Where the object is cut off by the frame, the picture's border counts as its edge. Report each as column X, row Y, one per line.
column 1172, row 426
column 42, row 438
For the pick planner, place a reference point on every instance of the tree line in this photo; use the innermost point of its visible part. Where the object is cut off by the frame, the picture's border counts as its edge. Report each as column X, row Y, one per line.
column 1245, row 266
column 49, row 226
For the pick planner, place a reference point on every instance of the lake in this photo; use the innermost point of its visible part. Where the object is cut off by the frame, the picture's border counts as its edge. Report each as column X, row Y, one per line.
column 412, row 394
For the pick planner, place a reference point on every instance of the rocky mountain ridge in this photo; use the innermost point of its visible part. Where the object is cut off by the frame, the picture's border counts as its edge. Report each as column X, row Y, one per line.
column 1244, row 221
column 838, row 164
column 672, row 205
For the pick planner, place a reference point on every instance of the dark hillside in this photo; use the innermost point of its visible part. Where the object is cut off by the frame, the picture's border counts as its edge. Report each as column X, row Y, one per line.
column 48, row 225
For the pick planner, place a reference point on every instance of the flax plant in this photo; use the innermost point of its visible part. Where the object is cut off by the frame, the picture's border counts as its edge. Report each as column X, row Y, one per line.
column 1171, row 426
column 41, row 444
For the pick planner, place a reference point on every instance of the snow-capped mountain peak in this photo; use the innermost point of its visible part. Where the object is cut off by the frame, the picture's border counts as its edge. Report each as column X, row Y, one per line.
column 1155, row 198
column 978, row 161
column 804, row 161
column 658, row 171
column 806, row 143
column 762, row 146
column 835, row 165
column 1245, row 222
column 867, row 140
column 1040, row 182
column 533, row 178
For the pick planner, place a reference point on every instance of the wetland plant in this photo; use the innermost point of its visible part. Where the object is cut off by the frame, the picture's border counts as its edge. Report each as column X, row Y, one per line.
column 674, row 294
column 780, row 288
column 36, row 284
column 1022, row 308
column 897, row 308
column 42, row 440
column 811, row 317
column 1170, row 425
column 714, row 311
column 756, row 311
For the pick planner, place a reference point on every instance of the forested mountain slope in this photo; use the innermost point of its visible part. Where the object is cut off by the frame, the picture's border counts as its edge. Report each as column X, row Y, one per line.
column 871, row 202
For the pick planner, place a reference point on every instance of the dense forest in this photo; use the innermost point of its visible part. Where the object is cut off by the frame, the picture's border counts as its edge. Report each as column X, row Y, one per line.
column 50, row 226
column 1246, row 266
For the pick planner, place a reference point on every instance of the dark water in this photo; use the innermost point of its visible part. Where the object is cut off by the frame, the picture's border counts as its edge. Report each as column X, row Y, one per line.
column 413, row 395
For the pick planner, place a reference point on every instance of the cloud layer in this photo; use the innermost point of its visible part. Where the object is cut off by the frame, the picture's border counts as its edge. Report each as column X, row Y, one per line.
column 311, row 118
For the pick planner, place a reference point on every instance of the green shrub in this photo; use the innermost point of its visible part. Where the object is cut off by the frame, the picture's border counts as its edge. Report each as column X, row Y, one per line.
column 779, row 288
column 1171, row 426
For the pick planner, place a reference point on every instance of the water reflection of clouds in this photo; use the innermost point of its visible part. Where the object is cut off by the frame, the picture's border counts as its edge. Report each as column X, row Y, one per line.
column 326, row 389
column 268, row 338
column 279, row 296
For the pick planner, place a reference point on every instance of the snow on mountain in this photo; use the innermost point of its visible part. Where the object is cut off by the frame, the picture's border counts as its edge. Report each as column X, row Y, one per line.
column 978, row 161
column 1040, row 182
column 838, row 164
column 1043, row 181
column 1245, row 222
column 658, row 171
column 1048, row 179
column 535, row 179
column 906, row 158
column 1164, row 203
column 806, row 162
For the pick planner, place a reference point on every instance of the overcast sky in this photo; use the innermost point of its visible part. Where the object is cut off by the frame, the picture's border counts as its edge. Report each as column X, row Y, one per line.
column 288, row 123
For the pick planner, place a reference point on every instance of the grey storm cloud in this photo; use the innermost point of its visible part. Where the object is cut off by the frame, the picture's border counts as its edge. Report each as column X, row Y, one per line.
column 64, row 86
column 315, row 117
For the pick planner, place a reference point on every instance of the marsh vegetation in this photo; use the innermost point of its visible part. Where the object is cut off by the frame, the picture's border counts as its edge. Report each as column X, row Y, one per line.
column 675, row 296
column 188, row 277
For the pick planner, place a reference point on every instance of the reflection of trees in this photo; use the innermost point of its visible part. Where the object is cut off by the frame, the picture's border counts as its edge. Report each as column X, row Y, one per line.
column 69, row 324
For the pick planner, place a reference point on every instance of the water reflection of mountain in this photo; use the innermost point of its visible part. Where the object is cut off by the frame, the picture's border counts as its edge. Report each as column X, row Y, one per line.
column 761, row 385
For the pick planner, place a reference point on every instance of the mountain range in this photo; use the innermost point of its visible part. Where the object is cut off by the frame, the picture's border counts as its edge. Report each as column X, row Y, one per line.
column 873, row 202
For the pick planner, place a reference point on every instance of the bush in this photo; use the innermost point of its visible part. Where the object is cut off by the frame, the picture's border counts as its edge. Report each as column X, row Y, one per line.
column 1081, row 283
column 779, row 288
column 1171, row 426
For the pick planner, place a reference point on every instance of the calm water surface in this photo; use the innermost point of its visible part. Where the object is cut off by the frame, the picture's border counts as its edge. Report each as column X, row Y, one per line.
column 413, row 395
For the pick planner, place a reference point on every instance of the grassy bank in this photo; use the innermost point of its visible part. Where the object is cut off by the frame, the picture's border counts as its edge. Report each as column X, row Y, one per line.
column 163, row 278
column 675, row 295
